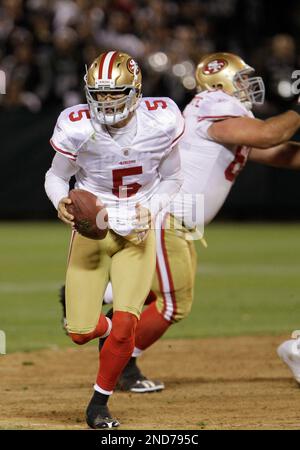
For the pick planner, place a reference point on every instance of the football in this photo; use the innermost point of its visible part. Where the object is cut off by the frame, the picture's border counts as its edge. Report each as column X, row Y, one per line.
column 90, row 215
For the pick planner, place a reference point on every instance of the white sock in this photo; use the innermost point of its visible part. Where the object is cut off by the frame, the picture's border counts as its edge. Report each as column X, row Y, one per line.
column 108, row 294
column 102, row 391
column 109, row 322
column 136, row 352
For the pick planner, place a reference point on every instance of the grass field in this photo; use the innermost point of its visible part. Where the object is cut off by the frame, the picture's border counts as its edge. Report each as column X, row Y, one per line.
column 247, row 283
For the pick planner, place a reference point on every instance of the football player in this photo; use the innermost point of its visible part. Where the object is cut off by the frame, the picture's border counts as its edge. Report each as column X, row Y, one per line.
column 123, row 149
column 221, row 135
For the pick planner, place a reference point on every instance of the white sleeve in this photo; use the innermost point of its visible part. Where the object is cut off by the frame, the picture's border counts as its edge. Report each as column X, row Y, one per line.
column 58, row 177
column 170, row 183
column 216, row 106
column 61, row 141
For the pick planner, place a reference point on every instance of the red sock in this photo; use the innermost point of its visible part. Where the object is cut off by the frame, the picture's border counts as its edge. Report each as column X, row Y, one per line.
column 100, row 330
column 150, row 328
column 116, row 350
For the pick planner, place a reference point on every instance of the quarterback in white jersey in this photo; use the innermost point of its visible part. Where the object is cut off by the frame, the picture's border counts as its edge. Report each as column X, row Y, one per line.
column 123, row 149
column 221, row 133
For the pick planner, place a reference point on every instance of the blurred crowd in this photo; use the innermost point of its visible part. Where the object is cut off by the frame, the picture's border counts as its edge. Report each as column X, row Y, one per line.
column 45, row 44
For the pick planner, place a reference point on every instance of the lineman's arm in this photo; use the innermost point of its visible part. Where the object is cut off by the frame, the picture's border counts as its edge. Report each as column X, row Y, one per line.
column 257, row 133
column 286, row 155
column 57, row 185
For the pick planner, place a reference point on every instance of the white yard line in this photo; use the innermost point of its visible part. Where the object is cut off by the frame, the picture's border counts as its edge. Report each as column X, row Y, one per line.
column 28, row 287
column 204, row 269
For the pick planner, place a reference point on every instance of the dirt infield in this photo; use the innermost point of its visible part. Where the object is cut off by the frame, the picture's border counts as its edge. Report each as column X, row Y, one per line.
column 230, row 383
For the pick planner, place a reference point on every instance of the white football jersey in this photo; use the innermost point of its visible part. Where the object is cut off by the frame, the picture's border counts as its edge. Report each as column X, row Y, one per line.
column 209, row 168
column 121, row 177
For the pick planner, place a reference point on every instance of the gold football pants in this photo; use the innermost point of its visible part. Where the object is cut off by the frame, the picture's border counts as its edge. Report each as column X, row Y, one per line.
column 176, row 265
column 92, row 263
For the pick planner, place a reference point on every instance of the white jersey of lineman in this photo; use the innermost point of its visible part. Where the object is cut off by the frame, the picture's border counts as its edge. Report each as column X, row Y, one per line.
column 209, row 168
column 121, row 177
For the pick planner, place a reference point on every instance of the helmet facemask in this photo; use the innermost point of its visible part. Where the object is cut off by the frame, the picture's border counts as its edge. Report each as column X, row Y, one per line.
column 110, row 112
column 249, row 90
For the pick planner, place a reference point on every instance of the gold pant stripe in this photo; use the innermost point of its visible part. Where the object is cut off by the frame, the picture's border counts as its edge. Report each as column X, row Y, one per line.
column 175, row 270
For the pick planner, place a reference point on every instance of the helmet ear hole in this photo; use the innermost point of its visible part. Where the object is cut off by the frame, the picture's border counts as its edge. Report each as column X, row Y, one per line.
column 217, row 86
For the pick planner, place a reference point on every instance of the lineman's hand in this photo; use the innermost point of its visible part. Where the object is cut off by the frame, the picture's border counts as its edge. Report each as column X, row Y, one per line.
column 62, row 212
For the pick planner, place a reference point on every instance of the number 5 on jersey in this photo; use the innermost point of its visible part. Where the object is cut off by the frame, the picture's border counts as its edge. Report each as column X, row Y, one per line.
column 121, row 190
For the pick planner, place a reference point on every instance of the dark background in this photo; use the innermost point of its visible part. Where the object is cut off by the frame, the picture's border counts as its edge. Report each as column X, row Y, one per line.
column 44, row 46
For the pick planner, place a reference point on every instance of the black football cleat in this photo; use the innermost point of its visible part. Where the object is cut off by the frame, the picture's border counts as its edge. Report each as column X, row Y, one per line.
column 98, row 415
column 132, row 380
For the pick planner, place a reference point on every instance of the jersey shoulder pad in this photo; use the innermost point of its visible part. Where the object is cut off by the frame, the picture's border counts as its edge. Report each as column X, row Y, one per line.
column 166, row 114
column 216, row 105
column 73, row 128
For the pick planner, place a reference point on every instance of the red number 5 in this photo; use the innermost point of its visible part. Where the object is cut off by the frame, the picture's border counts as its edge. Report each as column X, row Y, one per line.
column 121, row 190
column 79, row 116
column 156, row 104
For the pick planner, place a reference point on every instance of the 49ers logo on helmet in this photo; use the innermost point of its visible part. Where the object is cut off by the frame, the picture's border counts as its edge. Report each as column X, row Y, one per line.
column 132, row 66
column 214, row 67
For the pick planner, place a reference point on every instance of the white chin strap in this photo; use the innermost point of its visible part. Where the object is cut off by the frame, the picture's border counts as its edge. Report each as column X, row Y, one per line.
column 110, row 119
column 248, row 105
column 99, row 118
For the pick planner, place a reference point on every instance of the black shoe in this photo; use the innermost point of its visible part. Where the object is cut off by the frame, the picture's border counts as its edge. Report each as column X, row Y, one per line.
column 133, row 380
column 98, row 415
column 109, row 314
column 62, row 301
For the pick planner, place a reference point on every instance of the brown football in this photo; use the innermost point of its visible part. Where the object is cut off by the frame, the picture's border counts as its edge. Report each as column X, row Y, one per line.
column 90, row 215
